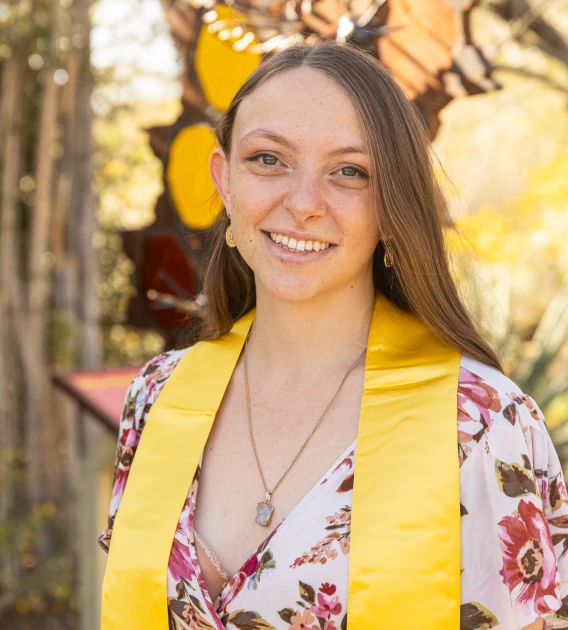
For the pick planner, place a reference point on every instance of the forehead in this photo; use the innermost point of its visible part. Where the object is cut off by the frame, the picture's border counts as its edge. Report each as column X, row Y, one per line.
column 303, row 104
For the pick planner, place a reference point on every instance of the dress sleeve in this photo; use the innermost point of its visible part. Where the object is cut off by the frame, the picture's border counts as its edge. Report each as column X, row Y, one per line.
column 131, row 424
column 530, row 510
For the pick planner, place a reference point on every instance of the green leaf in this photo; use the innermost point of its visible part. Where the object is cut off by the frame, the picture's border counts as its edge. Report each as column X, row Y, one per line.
column 307, row 593
column 554, row 497
column 346, row 485
column 559, row 521
column 561, row 538
column 266, row 557
column 474, row 616
column 513, row 479
column 177, row 608
column 249, row 620
column 558, row 538
column 562, row 612
column 510, row 412
column 187, row 584
column 196, row 603
column 477, row 436
column 286, row 614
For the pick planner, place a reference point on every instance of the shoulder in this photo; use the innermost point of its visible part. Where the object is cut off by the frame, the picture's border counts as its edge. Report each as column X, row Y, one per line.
column 150, row 381
column 158, row 369
column 141, row 395
column 473, row 372
column 513, row 503
column 487, row 397
column 139, row 398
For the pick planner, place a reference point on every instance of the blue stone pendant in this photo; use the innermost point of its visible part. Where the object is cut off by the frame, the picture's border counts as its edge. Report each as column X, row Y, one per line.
column 264, row 512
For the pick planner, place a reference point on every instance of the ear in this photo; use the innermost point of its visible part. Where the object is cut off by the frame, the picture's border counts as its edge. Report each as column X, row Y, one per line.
column 219, row 173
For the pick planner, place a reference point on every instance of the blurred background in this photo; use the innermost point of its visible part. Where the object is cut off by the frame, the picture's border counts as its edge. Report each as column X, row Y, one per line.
column 106, row 112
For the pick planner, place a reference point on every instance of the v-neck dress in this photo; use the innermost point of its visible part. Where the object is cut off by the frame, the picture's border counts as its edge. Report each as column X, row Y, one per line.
column 514, row 524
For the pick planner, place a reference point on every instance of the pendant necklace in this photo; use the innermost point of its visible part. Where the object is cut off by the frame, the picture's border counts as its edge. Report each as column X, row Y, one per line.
column 265, row 509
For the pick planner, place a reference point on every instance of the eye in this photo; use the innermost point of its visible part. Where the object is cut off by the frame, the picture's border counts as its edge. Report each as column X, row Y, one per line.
column 352, row 172
column 266, row 159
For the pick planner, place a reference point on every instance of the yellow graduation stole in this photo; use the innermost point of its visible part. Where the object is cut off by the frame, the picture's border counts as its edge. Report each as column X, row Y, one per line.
column 404, row 563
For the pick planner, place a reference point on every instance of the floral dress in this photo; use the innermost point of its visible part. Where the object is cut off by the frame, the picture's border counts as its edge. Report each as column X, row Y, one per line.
column 514, row 524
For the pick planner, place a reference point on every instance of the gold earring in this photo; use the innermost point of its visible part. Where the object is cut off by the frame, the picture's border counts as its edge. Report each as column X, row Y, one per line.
column 389, row 255
column 229, row 237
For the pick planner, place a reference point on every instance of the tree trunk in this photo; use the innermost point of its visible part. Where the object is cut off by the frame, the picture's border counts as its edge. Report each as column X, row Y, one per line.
column 38, row 400
column 88, row 307
column 11, row 331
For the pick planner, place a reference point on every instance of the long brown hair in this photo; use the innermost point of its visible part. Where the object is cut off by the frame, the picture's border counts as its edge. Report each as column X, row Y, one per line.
column 409, row 205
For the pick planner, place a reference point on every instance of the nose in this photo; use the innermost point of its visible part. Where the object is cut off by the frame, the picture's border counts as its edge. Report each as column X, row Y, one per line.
column 305, row 197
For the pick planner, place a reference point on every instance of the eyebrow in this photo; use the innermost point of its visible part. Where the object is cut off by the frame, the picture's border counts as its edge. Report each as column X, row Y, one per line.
column 276, row 137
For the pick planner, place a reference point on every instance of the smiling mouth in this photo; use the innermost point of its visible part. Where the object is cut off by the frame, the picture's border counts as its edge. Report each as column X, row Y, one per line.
column 293, row 245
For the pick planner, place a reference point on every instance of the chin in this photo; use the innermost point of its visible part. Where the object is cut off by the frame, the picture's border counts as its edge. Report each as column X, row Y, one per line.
column 291, row 289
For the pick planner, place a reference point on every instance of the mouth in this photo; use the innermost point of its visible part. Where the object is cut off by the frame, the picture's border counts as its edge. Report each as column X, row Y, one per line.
column 302, row 246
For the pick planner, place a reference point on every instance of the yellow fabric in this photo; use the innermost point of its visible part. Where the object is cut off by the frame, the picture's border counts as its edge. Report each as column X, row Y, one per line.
column 404, row 564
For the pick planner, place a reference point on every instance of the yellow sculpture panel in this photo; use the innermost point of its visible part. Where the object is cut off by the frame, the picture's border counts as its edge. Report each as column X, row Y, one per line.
column 222, row 61
column 187, row 175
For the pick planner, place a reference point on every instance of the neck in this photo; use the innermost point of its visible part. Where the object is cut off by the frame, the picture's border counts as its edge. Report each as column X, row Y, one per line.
column 328, row 330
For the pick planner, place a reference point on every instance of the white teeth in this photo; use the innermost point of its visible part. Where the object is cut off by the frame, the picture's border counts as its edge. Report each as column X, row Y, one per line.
column 299, row 246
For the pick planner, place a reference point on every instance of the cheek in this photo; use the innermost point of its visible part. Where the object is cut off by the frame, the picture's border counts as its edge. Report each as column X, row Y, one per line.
column 360, row 230
column 363, row 248
column 251, row 201
column 250, row 209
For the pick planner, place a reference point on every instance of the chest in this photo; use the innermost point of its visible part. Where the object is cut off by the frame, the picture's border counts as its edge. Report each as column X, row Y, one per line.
column 230, row 484
column 298, row 574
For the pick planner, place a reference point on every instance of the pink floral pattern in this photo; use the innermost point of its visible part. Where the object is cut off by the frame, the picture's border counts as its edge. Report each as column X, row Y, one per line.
column 336, row 541
column 529, row 563
column 317, row 610
column 514, row 524
column 476, row 400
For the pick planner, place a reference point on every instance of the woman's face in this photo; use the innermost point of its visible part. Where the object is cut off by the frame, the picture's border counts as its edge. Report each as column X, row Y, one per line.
column 296, row 186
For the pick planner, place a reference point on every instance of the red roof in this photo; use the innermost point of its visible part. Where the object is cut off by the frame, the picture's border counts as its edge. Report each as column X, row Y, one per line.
column 100, row 392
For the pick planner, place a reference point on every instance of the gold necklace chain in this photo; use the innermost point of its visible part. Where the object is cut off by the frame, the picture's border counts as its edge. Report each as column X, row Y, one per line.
column 265, row 508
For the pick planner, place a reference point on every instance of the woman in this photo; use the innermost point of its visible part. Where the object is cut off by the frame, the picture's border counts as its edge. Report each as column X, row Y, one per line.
column 319, row 418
